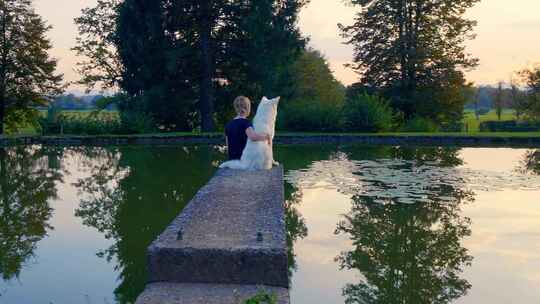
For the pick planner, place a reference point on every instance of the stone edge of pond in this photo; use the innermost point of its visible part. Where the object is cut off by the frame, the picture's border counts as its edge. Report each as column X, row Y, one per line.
column 219, row 231
column 424, row 140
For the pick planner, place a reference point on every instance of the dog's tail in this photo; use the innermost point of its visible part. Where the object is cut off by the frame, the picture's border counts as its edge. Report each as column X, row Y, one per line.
column 234, row 164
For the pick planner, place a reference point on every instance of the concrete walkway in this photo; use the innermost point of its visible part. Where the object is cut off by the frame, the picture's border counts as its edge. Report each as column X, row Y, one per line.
column 228, row 244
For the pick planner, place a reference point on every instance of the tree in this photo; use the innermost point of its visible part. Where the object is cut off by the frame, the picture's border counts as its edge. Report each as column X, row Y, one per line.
column 263, row 42
column 518, row 100
column 531, row 79
column 207, row 21
column 158, row 63
column 498, row 100
column 414, row 52
column 174, row 59
column 317, row 97
column 96, row 43
column 27, row 72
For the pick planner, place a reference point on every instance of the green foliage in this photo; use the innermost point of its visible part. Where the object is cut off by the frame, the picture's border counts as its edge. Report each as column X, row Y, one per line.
column 419, row 124
column 136, row 122
column 532, row 81
column 308, row 116
column 367, row 113
column 166, row 55
column 519, row 102
column 317, row 98
column 27, row 72
column 90, row 124
column 263, row 43
column 95, row 123
column 158, row 69
column 100, row 64
column 413, row 52
column 262, row 298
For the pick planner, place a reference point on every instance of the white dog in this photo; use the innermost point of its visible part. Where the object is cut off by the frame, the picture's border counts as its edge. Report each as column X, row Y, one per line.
column 259, row 155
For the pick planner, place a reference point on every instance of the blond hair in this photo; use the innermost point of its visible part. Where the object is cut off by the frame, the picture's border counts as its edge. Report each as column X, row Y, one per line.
column 242, row 105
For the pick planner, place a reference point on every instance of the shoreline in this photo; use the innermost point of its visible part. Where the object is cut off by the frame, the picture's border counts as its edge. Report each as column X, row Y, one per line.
column 531, row 140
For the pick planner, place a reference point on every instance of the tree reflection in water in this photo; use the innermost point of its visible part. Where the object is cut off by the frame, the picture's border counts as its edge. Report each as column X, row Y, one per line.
column 132, row 194
column 295, row 224
column 28, row 177
column 297, row 157
column 408, row 253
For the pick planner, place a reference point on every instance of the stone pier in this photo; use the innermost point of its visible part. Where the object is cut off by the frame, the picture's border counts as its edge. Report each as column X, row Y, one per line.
column 228, row 244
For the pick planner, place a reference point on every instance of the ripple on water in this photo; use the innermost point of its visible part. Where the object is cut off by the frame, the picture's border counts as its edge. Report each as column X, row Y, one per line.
column 404, row 181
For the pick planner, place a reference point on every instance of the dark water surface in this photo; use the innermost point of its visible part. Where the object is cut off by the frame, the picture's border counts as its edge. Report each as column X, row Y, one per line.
column 366, row 224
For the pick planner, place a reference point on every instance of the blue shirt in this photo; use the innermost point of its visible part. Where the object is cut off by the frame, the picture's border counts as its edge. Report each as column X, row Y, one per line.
column 237, row 137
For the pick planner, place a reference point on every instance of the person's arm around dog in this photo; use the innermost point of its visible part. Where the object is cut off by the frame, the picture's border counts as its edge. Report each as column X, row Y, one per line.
column 240, row 129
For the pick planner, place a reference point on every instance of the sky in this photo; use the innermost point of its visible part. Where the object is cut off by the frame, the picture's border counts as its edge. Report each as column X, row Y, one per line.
column 508, row 35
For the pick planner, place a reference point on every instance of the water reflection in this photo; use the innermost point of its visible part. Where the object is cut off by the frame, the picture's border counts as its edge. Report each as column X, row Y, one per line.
column 407, row 253
column 403, row 236
column 295, row 224
column 28, row 178
column 132, row 194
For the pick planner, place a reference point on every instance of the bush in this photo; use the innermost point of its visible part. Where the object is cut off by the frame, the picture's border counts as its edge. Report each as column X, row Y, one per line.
column 92, row 124
column 509, row 126
column 367, row 113
column 419, row 124
column 305, row 116
column 135, row 122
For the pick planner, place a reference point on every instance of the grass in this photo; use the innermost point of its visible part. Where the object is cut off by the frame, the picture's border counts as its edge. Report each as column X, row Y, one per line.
column 473, row 125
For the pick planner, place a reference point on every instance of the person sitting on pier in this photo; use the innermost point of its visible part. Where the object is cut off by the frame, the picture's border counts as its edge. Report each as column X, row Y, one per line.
column 240, row 129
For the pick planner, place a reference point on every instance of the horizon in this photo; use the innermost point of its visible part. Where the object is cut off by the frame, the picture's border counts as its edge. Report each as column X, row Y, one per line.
column 499, row 58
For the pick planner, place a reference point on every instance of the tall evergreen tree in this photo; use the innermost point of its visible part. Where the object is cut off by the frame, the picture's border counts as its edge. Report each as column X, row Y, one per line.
column 263, row 41
column 27, row 72
column 414, row 51
column 177, row 58
column 157, row 64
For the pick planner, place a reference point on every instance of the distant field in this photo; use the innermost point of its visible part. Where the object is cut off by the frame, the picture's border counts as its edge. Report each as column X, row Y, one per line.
column 472, row 124
column 31, row 130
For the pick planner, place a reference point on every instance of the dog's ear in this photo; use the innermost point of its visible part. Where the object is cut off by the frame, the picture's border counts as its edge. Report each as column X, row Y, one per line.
column 264, row 99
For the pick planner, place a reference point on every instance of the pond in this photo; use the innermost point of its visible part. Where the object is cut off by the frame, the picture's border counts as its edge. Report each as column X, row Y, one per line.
column 365, row 224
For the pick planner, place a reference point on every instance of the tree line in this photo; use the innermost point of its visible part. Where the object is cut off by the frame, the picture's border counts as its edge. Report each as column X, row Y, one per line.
column 181, row 62
column 176, row 65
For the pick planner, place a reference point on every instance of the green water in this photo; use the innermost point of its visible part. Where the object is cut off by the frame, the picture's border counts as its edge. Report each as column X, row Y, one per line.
column 366, row 224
